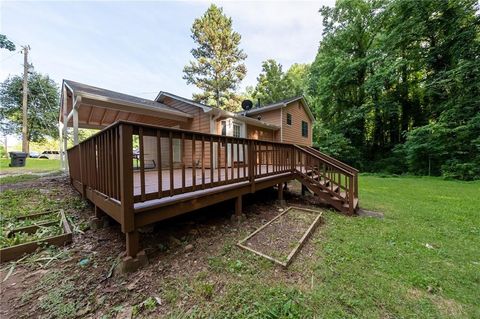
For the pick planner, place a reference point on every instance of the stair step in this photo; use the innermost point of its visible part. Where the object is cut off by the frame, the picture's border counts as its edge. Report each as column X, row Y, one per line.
column 355, row 204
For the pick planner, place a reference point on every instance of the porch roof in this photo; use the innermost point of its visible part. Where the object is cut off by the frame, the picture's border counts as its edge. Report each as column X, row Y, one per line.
column 98, row 107
column 218, row 113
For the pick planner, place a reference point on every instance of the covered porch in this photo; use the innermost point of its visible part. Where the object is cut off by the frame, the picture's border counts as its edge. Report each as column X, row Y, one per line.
column 87, row 107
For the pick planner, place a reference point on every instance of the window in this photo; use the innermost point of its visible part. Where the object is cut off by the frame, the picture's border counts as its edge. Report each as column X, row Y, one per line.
column 236, row 130
column 224, row 128
column 304, row 129
column 289, row 119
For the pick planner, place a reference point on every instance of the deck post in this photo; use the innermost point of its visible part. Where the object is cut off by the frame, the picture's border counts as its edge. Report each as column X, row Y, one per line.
column 251, row 165
column 281, row 201
column 65, row 129
column 280, row 191
column 133, row 243
column 238, row 206
column 126, row 189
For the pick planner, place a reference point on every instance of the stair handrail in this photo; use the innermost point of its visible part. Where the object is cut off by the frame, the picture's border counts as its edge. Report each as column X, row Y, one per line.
column 327, row 157
column 343, row 170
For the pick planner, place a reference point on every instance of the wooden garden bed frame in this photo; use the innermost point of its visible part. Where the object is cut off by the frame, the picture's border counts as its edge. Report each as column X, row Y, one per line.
column 297, row 247
column 17, row 251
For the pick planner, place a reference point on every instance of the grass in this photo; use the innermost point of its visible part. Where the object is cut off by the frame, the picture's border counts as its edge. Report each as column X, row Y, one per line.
column 32, row 165
column 421, row 260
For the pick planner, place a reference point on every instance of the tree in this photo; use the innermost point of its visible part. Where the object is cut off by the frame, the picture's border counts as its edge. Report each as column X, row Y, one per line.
column 398, row 79
column 218, row 67
column 297, row 79
column 271, row 85
column 43, row 104
column 6, row 44
column 274, row 85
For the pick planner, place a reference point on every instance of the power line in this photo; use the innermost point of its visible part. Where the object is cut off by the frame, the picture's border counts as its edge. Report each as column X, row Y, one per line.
column 11, row 55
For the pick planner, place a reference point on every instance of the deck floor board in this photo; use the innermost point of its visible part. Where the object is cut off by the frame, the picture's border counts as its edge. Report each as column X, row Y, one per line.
column 151, row 177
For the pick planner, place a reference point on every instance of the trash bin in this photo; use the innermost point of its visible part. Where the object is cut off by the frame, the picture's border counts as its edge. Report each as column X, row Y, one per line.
column 17, row 159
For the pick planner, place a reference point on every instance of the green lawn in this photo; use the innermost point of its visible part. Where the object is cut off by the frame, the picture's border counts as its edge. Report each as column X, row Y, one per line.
column 421, row 261
column 33, row 165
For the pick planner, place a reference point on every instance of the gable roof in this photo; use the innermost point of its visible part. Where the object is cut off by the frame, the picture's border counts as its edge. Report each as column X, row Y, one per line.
column 161, row 95
column 85, row 90
column 280, row 104
column 208, row 109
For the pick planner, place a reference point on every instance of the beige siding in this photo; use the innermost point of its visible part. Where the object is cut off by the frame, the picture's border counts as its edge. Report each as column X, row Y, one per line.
column 293, row 133
column 271, row 117
column 199, row 123
column 259, row 133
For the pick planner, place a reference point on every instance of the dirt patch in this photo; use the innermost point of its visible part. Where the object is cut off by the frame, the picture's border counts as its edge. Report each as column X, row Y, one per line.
column 447, row 307
column 280, row 237
column 192, row 260
column 369, row 213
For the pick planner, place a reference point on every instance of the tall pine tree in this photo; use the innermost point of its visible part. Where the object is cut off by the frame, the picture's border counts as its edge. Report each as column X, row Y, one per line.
column 218, row 67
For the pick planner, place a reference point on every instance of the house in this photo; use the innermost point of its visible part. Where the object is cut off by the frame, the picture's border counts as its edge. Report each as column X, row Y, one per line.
column 155, row 159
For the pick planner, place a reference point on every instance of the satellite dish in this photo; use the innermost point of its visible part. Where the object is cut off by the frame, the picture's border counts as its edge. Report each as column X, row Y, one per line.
column 247, row 105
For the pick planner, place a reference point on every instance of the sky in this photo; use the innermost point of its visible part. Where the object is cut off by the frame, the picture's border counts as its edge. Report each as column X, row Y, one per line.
column 140, row 48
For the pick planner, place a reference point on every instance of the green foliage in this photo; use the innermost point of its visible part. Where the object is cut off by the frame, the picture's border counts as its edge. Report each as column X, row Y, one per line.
column 274, row 85
column 6, row 44
column 218, row 67
column 32, row 165
column 399, row 81
column 3, row 152
column 21, row 237
column 43, row 101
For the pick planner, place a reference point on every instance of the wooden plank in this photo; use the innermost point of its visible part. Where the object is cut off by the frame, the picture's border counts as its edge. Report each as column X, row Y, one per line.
column 301, row 242
column 238, row 159
column 133, row 243
column 211, row 161
column 142, row 162
column 15, row 252
column 159, row 164
column 194, row 164
column 226, row 159
column 126, row 178
column 203, row 162
column 238, row 205
column 183, row 161
column 170, row 151
column 218, row 160
column 244, row 160
column 297, row 247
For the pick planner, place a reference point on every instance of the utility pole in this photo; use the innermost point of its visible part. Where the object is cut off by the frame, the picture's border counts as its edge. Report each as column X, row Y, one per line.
column 25, row 99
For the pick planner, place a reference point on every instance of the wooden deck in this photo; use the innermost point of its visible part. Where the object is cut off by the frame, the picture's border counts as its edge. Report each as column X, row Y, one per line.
column 101, row 169
column 151, row 177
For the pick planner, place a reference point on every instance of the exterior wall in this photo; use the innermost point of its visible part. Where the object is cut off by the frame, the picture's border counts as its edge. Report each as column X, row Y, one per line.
column 293, row 133
column 288, row 133
column 271, row 117
column 259, row 133
column 200, row 123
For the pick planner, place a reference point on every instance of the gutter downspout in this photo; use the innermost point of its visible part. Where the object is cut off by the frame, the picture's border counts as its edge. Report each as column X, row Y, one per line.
column 213, row 120
column 281, row 124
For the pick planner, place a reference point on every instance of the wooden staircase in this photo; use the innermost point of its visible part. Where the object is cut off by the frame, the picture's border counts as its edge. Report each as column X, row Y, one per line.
column 333, row 181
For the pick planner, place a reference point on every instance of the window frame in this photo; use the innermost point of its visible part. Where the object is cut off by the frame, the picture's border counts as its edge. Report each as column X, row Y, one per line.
column 236, row 125
column 289, row 117
column 304, row 129
column 223, row 128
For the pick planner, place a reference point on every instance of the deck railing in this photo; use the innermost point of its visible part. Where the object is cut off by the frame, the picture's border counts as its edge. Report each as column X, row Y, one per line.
column 170, row 161
column 335, row 177
column 131, row 162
